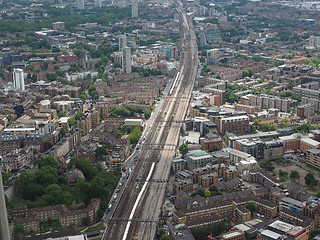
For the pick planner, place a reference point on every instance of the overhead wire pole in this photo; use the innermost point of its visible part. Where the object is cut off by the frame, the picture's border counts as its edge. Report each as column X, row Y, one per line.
column 4, row 226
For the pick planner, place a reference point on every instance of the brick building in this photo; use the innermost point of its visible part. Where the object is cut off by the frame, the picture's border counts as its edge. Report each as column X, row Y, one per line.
column 237, row 124
column 58, row 212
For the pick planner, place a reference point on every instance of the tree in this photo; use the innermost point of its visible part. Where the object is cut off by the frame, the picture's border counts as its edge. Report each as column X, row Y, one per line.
column 147, row 114
column 135, row 135
column 47, row 145
column 256, row 122
column 183, row 149
column 252, row 207
column 294, row 176
column 78, row 115
column 117, row 134
column 85, row 221
column 63, row 132
column 207, row 193
column 283, row 173
column 310, row 180
column 71, row 122
column 161, row 232
column 19, row 228
column 165, row 237
column 5, row 176
column 101, row 151
column 216, row 148
column 47, row 161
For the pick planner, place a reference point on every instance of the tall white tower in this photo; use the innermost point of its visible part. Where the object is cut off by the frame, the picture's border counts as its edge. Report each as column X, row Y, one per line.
column 126, row 59
column 122, row 42
column 4, row 226
column 80, row 4
column 18, row 79
column 98, row 3
column 135, row 13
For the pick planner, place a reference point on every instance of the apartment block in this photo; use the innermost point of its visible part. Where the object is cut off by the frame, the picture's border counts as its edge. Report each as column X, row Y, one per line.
column 308, row 143
column 262, row 177
column 238, row 125
column 273, row 149
column 313, row 158
column 182, row 185
column 198, row 158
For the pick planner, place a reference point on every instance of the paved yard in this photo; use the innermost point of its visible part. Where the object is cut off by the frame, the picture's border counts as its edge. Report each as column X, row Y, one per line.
column 302, row 172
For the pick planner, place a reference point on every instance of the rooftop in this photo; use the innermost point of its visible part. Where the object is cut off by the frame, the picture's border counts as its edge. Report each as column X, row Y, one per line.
column 310, row 141
column 270, row 234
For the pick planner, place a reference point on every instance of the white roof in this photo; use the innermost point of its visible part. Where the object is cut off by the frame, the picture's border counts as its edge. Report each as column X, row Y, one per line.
column 242, row 227
column 270, row 234
column 63, row 119
column 287, row 138
column 310, row 141
column 232, row 234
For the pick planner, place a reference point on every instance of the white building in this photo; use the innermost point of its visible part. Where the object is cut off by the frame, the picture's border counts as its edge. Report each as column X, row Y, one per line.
column 126, row 59
column 135, row 13
column 18, row 79
column 98, row 3
column 80, row 4
column 122, row 42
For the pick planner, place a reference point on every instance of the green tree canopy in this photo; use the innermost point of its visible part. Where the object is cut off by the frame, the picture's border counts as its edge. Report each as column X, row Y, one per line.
column 47, row 145
column 47, row 161
column 310, row 180
column 19, row 228
column 294, row 176
column 252, row 207
column 101, row 151
column 183, row 149
column 135, row 135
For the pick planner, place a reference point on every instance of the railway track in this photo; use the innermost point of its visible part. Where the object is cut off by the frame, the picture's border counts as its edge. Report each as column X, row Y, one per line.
column 138, row 219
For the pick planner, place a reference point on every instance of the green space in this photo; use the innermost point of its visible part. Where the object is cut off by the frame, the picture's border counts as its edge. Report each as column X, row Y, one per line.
column 48, row 186
column 71, row 18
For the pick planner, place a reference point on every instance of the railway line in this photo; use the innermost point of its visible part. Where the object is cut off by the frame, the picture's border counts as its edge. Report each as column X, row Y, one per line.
column 137, row 214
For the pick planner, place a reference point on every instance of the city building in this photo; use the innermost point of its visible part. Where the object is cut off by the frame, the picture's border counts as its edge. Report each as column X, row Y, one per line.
column 122, row 42
column 98, row 3
column 182, row 185
column 313, row 158
column 238, row 125
column 211, row 142
column 80, row 4
column 135, row 12
column 233, row 235
column 236, row 157
column 262, row 177
column 126, row 59
column 178, row 165
column 18, row 79
column 59, row 26
column 279, row 230
column 273, row 149
column 308, row 143
column 292, row 204
column 198, row 158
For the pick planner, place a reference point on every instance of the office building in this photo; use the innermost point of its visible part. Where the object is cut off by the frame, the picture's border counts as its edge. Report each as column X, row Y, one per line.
column 18, row 79
column 126, row 59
